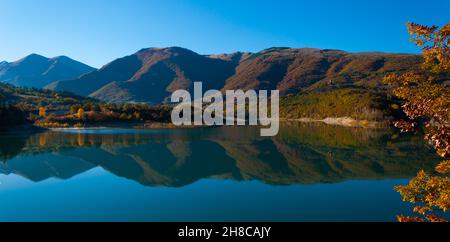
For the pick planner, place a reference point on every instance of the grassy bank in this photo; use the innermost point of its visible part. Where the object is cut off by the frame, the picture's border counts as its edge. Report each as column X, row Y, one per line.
column 356, row 104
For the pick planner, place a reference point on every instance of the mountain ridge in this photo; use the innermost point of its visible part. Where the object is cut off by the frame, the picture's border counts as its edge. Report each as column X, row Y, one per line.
column 151, row 74
column 38, row 71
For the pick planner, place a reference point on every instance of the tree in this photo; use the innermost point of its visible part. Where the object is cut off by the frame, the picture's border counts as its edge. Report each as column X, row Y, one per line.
column 80, row 113
column 74, row 108
column 427, row 106
column 42, row 111
column 11, row 115
column 137, row 115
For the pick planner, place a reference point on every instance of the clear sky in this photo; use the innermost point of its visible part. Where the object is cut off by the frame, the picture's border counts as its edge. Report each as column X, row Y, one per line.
column 99, row 31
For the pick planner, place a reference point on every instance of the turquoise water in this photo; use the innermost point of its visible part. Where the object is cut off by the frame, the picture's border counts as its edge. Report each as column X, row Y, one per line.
column 306, row 173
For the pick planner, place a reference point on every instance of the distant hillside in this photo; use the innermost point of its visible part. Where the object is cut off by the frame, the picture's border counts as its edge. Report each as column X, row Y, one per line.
column 294, row 70
column 38, row 71
column 33, row 98
column 150, row 75
column 52, row 109
column 355, row 103
column 20, row 105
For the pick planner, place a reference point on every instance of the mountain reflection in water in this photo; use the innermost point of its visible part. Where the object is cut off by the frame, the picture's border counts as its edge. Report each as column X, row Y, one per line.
column 300, row 154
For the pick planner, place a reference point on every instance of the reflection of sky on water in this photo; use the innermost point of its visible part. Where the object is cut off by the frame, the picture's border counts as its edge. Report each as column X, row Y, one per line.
column 99, row 196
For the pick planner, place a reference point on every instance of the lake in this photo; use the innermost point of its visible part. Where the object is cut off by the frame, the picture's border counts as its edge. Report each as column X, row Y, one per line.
column 308, row 172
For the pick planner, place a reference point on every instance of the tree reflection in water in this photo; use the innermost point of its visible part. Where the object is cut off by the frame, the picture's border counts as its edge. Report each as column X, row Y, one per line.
column 301, row 154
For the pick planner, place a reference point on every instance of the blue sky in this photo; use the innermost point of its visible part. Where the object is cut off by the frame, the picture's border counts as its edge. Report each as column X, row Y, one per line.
column 98, row 31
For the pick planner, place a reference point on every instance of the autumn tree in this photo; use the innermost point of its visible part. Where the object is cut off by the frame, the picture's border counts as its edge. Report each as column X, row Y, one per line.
column 427, row 107
column 74, row 108
column 42, row 111
column 80, row 113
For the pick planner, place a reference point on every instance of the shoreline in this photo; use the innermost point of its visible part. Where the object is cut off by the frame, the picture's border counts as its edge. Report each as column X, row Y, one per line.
column 144, row 126
column 340, row 121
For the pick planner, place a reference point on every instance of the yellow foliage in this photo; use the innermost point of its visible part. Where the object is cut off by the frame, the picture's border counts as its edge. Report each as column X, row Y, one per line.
column 434, row 43
column 426, row 98
column 443, row 167
column 429, row 191
column 80, row 113
column 42, row 111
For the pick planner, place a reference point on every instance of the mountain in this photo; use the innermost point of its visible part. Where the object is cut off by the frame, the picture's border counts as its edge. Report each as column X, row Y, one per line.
column 38, row 71
column 3, row 63
column 294, row 70
column 150, row 75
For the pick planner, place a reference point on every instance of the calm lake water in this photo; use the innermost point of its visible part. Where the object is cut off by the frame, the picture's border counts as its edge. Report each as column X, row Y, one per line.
column 309, row 172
